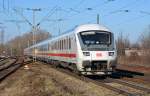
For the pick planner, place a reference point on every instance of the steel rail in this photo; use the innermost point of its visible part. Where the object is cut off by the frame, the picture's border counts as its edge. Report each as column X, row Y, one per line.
column 133, row 85
column 8, row 71
column 7, row 65
column 118, row 90
column 11, row 69
column 3, row 62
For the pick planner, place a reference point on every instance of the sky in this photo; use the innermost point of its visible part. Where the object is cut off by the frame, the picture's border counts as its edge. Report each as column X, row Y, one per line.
column 129, row 17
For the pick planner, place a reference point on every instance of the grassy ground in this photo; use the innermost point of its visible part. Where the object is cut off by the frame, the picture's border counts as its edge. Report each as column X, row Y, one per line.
column 41, row 80
column 134, row 60
column 134, row 63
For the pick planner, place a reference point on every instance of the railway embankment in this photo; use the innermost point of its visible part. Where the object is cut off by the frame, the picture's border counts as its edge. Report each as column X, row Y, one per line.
column 42, row 80
column 140, row 72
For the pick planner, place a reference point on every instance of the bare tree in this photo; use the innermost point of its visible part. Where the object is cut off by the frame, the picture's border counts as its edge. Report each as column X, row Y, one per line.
column 122, row 42
column 145, row 39
column 16, row 45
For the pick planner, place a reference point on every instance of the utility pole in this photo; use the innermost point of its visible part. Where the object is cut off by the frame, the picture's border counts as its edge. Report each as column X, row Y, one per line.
column 4, row 5
column 58, row 21
column 2, row 36
column 33, row 24
column 28, row 43
column 19, row 32
column 2, row 39
column 97, row 18
column 34, row 28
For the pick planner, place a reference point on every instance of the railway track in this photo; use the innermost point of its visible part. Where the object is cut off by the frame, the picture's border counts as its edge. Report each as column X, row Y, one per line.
column 9, row 67
column 133, row 85
column 7, row 63
column 3, row 61
column 127, row 88
column 119, row 86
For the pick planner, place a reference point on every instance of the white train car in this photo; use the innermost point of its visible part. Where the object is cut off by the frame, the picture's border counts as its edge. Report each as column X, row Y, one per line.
column 87, row 49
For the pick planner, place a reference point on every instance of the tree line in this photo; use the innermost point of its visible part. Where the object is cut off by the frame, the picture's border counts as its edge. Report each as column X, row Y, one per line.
column 15, row 46
column 142, row 46
column 143, row 42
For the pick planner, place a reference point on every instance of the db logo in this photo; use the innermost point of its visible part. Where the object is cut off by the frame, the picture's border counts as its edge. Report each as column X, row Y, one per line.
column 98, row 54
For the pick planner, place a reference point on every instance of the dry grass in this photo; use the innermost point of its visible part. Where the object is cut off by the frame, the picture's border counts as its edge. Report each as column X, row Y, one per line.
column 135, row 60
column 41, row 80
column 33, row 84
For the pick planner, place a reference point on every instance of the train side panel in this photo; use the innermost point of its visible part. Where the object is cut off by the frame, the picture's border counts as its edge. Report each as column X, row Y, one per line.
column 70, row 50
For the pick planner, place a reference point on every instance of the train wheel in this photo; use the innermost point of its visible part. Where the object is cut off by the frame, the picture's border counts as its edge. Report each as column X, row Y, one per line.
column 57, row 64
column 114, row 68
column 53, row 64
column 75, row 70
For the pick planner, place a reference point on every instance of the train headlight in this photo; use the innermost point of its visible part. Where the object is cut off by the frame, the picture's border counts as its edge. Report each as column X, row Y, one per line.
column 86, row 53
column 111, row 53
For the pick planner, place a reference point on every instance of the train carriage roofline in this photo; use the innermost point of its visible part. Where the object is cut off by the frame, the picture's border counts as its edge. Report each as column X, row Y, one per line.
column 76, row 29
column 86, row 27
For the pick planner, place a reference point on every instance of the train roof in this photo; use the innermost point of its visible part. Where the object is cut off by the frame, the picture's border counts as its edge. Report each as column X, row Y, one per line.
column 86, row 27
column 76, row 29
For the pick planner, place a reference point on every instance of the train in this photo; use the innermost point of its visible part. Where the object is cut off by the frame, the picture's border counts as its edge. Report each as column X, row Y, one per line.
column 87, row 49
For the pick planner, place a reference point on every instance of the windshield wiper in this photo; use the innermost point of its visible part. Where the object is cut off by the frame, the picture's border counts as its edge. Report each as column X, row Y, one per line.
column 88, row 44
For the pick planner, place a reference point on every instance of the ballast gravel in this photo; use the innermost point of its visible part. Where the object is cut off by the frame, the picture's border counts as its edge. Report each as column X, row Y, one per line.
column 42, row 80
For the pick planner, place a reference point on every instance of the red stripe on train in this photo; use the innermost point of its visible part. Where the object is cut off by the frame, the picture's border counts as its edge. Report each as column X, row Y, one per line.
column 71, row 55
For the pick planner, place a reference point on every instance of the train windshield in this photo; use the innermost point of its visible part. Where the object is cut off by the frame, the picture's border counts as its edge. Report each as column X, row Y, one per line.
column 95, row 37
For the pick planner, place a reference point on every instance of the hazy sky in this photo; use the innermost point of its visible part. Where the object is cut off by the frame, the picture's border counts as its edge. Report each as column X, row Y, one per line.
column 131, row 17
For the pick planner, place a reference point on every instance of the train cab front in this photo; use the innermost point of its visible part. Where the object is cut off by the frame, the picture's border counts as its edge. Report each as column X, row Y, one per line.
column 98, row 54
column 98, row 63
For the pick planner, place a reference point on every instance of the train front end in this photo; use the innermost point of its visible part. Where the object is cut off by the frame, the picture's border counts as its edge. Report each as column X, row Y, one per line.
column 97, row 51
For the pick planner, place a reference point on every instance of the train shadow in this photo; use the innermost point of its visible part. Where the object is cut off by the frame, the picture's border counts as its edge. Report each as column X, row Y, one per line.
column 97, row 77
column 117, row 75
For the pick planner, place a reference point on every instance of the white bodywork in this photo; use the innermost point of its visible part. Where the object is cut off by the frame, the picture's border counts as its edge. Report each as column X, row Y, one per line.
column 73, row 54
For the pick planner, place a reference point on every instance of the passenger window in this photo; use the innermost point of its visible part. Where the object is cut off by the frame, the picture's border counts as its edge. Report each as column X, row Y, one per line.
column 57, row 45
column 65, row 44
column 62, row 44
